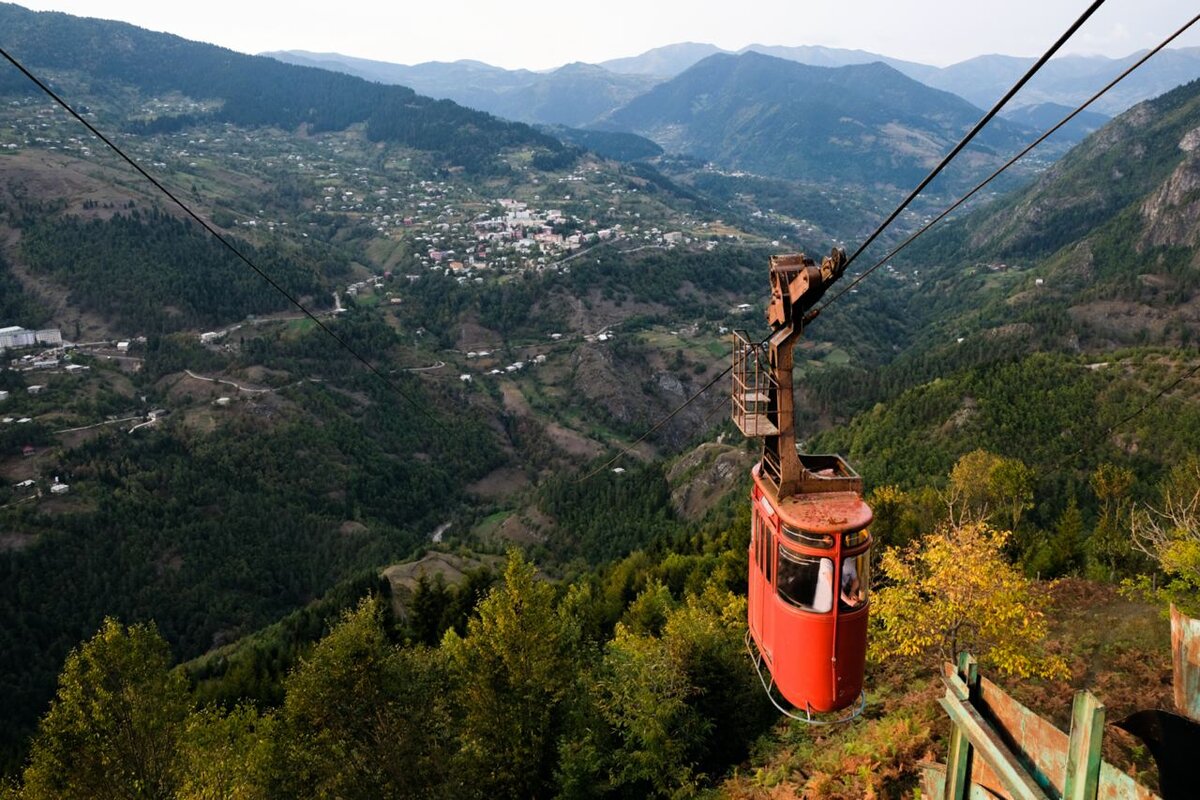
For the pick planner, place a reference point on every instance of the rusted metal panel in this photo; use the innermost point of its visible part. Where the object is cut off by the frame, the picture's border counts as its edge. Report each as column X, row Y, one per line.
column 1185, row 649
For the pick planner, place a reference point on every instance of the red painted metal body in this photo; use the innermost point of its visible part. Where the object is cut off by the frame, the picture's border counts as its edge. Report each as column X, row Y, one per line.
column 813, row 642
column 809, row 559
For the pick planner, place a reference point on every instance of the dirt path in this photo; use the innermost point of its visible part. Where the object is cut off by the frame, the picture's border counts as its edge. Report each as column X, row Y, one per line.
column 96, row 425
column 238, row 386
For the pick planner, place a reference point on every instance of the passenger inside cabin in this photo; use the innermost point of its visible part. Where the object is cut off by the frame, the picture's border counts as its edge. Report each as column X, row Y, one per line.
column 852, row 593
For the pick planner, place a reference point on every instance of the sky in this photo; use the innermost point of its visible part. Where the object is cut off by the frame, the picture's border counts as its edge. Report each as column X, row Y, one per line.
column 542, row 35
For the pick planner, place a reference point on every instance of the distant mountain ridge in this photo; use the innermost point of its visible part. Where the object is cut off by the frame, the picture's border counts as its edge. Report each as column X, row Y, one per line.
column 1069, row 80
column 1043, row 116
column 578, row 94
column 572, row 95
column 255, row 91
column 865, row 123
column 663, row 62
column 1066, row 80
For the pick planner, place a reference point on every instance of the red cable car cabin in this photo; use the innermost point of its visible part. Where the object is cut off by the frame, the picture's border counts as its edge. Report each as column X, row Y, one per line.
column 809, row 545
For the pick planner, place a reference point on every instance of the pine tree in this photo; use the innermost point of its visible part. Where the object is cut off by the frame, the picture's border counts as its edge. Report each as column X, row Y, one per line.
column 513, row 673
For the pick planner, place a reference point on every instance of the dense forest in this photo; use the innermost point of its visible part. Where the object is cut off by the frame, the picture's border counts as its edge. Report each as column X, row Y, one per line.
column 17, row 307
column 628, row 680
column 214, row 535
column 153, row 273
column 617, row 145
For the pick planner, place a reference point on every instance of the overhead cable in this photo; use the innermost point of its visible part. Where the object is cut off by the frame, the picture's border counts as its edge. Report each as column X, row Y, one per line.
column 228, row 244
column 984, row 120
column 1078, row 110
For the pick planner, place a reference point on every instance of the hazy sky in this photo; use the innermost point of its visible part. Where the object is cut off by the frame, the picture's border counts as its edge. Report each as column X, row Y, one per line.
column 539, row 35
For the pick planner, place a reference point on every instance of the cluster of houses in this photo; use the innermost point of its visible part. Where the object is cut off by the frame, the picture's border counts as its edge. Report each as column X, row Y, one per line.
column 515, row 366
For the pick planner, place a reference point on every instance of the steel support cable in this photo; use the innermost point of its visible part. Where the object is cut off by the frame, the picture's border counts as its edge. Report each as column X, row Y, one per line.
column 629, row 449
column 899, row 209
column 984, row 120
column 957, row 204
column 1129, row 70
column 1111, row 429
column 219, row 237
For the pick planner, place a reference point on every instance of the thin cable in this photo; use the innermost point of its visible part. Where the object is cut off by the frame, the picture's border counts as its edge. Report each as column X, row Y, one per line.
column 626, row 451
column 1008, row 164
column 1090, row 447
column 987, row 118
column 978, row 127
column 1145, row 406
column 293, row 300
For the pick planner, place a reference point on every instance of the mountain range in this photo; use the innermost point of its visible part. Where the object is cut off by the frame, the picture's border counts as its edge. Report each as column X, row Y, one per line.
column 557, row 96
column 572, row 95
column 1068, row 80
column 865, row 123
column 252, row 90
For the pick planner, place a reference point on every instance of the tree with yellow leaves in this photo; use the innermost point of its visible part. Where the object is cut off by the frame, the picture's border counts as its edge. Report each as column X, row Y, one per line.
column 953, row 590
column 1169, row 534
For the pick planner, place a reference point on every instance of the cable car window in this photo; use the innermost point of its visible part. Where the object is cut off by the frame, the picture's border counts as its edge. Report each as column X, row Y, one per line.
column 768, row 540
column 762, row 549
column 821, row 540
column 806, row 581
column 855, row 538
column 754, row 539
column 855, row 581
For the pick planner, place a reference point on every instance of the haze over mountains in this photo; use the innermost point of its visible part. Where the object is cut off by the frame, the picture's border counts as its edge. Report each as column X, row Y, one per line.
column 1066, row 80
column 806, row 112
column 572, row 95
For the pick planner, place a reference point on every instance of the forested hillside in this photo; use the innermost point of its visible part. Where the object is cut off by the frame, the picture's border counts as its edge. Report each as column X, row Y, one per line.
column 214, row 533
column 255, row 91
column 863, row 123
column 1091, row 187
column 158, row 274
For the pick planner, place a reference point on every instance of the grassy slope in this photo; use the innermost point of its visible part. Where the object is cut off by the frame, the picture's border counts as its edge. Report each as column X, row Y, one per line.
column 1117, row 648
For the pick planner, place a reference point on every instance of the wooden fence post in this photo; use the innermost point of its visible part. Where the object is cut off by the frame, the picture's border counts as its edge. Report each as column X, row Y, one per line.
column 958, row 760
column 1083, row 750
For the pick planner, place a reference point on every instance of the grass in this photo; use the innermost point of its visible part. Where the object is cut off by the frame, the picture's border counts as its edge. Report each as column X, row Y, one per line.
column 368, row 300
column 717, row 348
column 838, row 357
column 490, row 523
column 298, row 326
